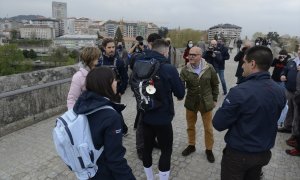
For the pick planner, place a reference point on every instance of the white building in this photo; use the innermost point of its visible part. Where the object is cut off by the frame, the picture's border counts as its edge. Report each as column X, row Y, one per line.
column 152, row 28
column 81, row 25
column 228, row 31
column 53, row 23
column 37, row 32
column 59, row 10
column 75, row 41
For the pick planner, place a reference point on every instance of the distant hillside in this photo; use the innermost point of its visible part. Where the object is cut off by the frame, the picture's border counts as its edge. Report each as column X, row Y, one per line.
column 25, row 17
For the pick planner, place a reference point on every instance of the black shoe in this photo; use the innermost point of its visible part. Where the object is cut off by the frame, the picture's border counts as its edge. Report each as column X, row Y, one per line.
column 210, row 156
column 284, row 130
column 140, row 153
column 188, row 150
column 261, row 176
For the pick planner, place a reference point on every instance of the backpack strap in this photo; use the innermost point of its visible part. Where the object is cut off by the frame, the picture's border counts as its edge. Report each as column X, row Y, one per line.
column 100, row 108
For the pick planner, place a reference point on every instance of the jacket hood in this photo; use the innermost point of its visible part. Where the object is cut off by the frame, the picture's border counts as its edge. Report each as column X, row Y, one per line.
column 89, row 101
column 149, row 54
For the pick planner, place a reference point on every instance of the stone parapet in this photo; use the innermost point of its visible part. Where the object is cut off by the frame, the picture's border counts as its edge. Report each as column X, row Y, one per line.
column 31, row 97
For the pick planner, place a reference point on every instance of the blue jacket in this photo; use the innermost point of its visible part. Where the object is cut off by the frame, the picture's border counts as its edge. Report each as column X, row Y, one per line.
column 105, row 128
column 290, row 71
column 250, row 113
column 122, row 76
column 171, row 83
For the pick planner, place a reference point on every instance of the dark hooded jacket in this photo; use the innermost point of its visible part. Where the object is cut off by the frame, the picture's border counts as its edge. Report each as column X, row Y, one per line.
column 169, row 83
column 106, row 131
column 121, row 70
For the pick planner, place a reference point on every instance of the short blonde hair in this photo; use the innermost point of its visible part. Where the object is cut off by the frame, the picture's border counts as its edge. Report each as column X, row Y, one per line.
column 89, row 54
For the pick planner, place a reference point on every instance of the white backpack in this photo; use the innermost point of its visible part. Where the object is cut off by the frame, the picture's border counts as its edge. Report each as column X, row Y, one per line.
column 74, row 144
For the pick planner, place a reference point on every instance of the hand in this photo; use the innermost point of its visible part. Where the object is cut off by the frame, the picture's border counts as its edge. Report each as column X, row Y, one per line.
column 283, row 78
column 213, row 55
column 298, row 68
column 215, row 103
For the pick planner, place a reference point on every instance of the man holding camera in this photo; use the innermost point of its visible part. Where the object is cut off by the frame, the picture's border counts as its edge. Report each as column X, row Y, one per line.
column 216, row 56
column 279, row 63
column 137, row 49
column 289, row 77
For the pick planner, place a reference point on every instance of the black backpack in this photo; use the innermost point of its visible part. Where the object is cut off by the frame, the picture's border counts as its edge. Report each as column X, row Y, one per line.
column 145, row 83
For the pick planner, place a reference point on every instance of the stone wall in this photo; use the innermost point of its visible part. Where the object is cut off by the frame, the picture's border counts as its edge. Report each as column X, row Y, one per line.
column 31, row 97
column 28, row 98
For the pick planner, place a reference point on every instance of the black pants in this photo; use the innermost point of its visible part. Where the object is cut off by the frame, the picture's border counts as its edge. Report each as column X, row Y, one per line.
column 164, row 135
column 139, row 138
column 124, row 126
column 237, row 165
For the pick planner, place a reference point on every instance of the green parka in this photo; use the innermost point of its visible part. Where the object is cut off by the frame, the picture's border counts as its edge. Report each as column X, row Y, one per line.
column 202, row 89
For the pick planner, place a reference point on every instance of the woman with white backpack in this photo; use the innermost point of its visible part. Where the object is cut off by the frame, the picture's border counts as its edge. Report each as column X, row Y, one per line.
column 106, row 124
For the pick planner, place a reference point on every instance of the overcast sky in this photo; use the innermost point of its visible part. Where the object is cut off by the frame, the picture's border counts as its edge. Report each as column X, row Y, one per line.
column 282, row 16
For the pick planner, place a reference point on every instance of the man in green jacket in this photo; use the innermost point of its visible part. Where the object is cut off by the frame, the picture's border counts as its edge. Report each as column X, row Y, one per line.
column 202, row 93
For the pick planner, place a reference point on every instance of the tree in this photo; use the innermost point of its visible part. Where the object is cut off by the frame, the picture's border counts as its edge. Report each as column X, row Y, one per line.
column 74, row 54
column 11, row 59
column 163, row 31
column 258, row 34
column 180, row 37
column 31, row 54
column 25, row 53
column 274, row 36
column 58, row 56
column 14, row 34
column 119, row 36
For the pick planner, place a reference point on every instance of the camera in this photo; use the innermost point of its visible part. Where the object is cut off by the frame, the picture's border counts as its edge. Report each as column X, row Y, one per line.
column 282, row 56
column 210, row 48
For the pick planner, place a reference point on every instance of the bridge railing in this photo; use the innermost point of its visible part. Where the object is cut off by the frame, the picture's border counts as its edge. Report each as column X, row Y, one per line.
column 33, row 97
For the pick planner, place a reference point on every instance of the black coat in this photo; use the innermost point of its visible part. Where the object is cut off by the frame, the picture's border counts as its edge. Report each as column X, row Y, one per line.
column 171, row 84
column 239, row 58
column 106, row 130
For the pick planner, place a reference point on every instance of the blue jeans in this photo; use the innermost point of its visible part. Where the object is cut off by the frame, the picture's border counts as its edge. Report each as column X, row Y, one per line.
column 222, row 79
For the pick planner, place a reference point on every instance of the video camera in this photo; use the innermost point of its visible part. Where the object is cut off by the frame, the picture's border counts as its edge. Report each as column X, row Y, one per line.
column 282, row 56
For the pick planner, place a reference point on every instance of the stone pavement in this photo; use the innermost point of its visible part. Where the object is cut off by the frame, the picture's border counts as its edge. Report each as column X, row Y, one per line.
column 29, row 153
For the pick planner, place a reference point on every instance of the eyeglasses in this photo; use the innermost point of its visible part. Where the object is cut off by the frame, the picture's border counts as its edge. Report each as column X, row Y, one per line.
column 193, row 55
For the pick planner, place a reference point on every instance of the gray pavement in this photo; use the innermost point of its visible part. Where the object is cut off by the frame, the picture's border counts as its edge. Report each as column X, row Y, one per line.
column 29, row 153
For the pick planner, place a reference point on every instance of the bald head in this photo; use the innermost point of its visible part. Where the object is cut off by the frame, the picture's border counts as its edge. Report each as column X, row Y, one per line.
column 213, row 42
column 247, row 44
column 196, row 50
column 195, row 56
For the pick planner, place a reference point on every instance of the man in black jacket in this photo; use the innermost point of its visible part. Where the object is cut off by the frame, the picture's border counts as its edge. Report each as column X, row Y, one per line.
column 239, row 58
column 157, row 123
column 110, row 59
column 216, row 55
column 250, row 113
column 289, row 76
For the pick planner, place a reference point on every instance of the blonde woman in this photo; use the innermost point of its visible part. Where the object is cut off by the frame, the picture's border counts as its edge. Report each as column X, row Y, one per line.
column 88, row 60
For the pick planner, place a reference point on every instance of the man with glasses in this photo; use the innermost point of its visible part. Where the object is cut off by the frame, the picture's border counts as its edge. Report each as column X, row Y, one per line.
column 202, row 93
